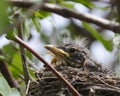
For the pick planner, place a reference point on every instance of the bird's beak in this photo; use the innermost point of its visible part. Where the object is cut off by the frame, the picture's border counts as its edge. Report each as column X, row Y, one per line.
column 56, row 51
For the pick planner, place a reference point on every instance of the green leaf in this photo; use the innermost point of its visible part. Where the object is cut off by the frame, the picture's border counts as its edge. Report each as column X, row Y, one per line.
column 107, row 43
column 14, row 92
column 36, row 23
column 27, row 27
column 17, row 60
column 29, row 54
column 16, row 65
column 86, row 3
column 41, row 14
column 116, row 40
column 5, row 89
column 3, row 15
column 67, row 4
column 11, row 35
column 9, row 50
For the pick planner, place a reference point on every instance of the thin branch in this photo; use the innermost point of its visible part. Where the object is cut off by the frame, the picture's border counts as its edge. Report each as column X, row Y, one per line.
column 7, row 74
column 28, row 14
column 22, row 51
column 22, row 43
column 117, row 3
column 66, row 12
column 104, row 23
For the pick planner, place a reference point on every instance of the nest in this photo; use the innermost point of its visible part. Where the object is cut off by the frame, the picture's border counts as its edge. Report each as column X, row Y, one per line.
column 85, row 82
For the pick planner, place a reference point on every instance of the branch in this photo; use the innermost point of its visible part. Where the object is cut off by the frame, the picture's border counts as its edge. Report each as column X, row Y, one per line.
column 65, row 12
column 7, row 74
column 28, row 14
column 22, row 51
column 22, row 43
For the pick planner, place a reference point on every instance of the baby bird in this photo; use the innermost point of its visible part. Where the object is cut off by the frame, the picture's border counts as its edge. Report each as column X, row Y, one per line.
column 74, row 56
column 76, row 65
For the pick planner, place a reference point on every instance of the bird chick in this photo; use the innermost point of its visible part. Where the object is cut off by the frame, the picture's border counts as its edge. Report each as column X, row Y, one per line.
column 74, row 56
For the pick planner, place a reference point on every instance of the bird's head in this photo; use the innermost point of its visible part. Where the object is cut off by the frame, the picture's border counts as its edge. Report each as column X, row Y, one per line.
column 69, row 54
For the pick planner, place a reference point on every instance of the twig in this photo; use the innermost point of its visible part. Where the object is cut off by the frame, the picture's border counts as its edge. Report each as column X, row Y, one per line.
column 7, row 73
column 22, row 51
column 28, row 14
column 22, row 43
column 66, row 12
column 102, row 81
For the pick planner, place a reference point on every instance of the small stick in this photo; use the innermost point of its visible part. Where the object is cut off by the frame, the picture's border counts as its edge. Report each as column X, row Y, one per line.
column 22, row 51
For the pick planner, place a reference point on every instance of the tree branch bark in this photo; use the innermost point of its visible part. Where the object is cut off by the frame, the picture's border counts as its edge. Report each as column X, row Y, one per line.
column 68, row 13
column 22, row 51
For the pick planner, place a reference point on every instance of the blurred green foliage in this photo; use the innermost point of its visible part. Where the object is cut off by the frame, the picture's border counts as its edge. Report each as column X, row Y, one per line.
column 3, row 16
column 107, row 43
column 86, row 3
column 5, row 89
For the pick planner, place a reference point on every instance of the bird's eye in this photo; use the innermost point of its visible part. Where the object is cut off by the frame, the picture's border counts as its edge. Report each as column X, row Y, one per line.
column 72, row 50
